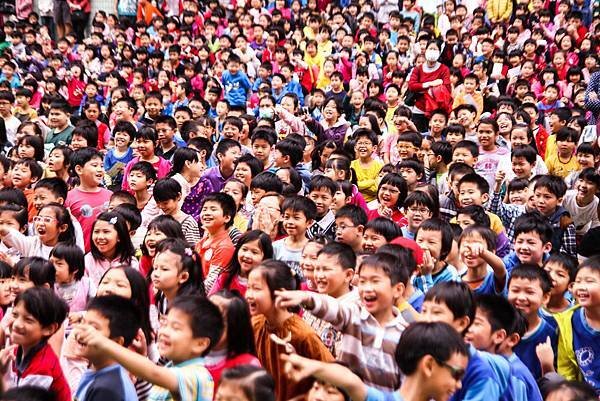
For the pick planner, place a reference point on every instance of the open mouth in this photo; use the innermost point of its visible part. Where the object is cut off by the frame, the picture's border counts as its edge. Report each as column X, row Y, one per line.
column 369, row 300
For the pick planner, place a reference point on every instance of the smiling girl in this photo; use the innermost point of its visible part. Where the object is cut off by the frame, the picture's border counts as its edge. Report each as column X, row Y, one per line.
column 391, row 193
column 110, row 246
column 52, row 225
column 252, row 248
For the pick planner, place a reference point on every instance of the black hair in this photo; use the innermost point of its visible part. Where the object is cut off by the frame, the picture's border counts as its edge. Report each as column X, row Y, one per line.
column 484, row 232
column 554, row 184
column 255, row 165
column 55, row 185
column 287, row 147
column 204, row 317
column 123, row 197
column 413, row 137
column 468, row 145
column 226, row 203
column 366, row 133
column 266, row 134
column 567, row 262
column 344, row 253
column 531, row 272
column 384, row 227
column 498, row 311
column 38, row 270
column 28, row 393
column 322, row 182
column 443, row 149
column 19, row 213
column 190, row 263
column 72, row 255
column 34, row 167
column 267, row 181
column 124, row 247
column 356, row 214
column 88, row 131
column 302, row 204
column 181, row 156
column 166, row 189
column 13, row 195
column 225, row 144
column 482, row 185
column 255, row 382
column 533, row 222
column 477, row 213
column 439, row 340
column 146, row 133
column 457, row 296
column 81, row 156
column 460, row 169
column 578, row 390
column 414, row 165
column 127, row 127
column 444, row 228
column 131, row 214
column 517, row 184
column 240, row 336
column 591, row 175
column 389, row 265
column 397, row 181
column 144, row 168
column 567, row 134
column 122, row 316
column 526, row 152
column 44, row 305
column 36, row 142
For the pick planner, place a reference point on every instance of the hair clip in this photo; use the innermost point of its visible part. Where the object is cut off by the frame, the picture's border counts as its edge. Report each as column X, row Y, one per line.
column 188, row 252
column 113, row 220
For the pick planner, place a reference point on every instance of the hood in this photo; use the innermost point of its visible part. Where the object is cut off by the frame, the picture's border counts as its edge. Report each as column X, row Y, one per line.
column 560, row 211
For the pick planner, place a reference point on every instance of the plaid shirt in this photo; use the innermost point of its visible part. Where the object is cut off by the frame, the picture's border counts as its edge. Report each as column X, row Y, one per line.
column 508, row 214
column 448, row 208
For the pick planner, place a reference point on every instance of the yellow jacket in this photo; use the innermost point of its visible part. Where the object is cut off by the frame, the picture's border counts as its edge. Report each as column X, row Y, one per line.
column 567, row 361
column 499, row 10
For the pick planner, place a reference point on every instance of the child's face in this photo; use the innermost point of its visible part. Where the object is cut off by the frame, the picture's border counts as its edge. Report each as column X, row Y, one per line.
column 228, row 159
column 323, row 199
column 521, row 167
column 406, row 150
column 56, row 160
column 530, row 248
column 105, row 238
column 138, row 181
column 347, row 232
column 481, row 335
column 585, row 160
column 545, row 201
column 454, row 137
column 258, row 294
column 437, row 124
column 416, row 214
column 376, row 291
column 433, row 311
column 469, row 194
column 26, row 330
column 388, row 195
column 212, row 216
column 585, row 189
column 526, row 295
column 339, row 200
column 566, row 147
column 464, row 220
column 295, row 223
column 308, row 263
column 46, row 226
column 551, row 94
column 410, row 176
column 230, row 390
column 176, row 340
column 122, row 139
column 261, row 149
column 169, row 206
column 559, row 276
column 586, row 288
column 323, row 391
column 431, row 241
column 20, row 284
column 486, row 136
column 167, row 275
column 26, row 151
column 100, row 323
column 329, row 276
column 63, row 276
column 78, row 142
column 234, row 189
column 250, row 255
column 465, row 249
column 470, row 85
column 518, row 197
column 6, row 296
column 153, row 237
column 153, row 106
column 364, row 148
column 518, row 136
column 231, row 132
column 92, row 172
column 463, row 155
column 21, row 176
column 372, row 241
column 145, row 148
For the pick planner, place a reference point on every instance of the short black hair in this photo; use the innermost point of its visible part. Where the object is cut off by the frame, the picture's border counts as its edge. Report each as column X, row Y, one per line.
column 366, row 133
column 415, row 165
column 395, row 180
column 122, row 316
column 477, row 213
column 302, row 204
column 264, row 133
column 389, row 264
column 38, row 270
column 567, row 134
column 459, row 169
column 322, row 182
column 413, row 137
column 482, row 185
column 44, row 305
column 34, row 167
column 498, row 311
column 344, row 253
column 57, row 186
column 591, row 175
column 287, row 147
column 531, row 272
column 131, row 214
column 226, row 202
column 72, row 255
column 204, row 317
column 457, row 296
column 443, row 149
column 255, row 165
column 554, row 184
column 146, row 133
column 439, row 340
column 517, row 184
column 28, row 393
column 166, row 189
column 526, row 152
column 435, row 224
column 484, row 232
column 356, row 214
column 568, row 262
column 533, row 222
column 268, row 182
column 82, row 156
column 225, row 144
column 469, row 145
column 384, row 227
column 145, row 168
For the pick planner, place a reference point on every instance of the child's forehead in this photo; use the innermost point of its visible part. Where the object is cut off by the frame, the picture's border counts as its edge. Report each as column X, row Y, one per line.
column 213, row 203
column 366, row 269
column 525, row 281
column 94, row 159
column 588, row 271
column 43, row 191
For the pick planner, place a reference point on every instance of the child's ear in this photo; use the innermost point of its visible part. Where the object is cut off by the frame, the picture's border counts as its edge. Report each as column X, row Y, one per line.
column 183, row 277
column 309, row 223
column 547, row 247
column 60, row 200
column 199, row 345
column 48, row 331
column 462, row 323
column 499, row 336
column 62, row 228
column 78, row 169
column 484, row 198
column 475, row 159
column 397, row 291
column 35, row 179
column 119, row 340
column 360, row 228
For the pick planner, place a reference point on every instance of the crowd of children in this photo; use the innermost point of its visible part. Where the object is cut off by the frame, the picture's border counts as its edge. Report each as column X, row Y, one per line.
column 320, row 200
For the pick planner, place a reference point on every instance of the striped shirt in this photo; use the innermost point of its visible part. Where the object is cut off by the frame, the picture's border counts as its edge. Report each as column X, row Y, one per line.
column 366, row 345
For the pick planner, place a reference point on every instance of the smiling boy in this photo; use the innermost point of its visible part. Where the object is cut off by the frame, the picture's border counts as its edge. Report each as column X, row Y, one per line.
column 582, row 203
column 491, row 156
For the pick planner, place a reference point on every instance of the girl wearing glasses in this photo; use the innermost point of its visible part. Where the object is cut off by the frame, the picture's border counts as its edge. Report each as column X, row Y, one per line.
column 52, row 225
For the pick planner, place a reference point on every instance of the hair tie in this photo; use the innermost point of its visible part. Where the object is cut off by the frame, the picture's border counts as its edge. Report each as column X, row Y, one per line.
column 189, row 252
column 113, row 220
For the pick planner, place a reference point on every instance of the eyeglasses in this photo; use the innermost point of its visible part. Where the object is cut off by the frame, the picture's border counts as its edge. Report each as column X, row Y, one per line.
column 420, row 210
column 363, row 144
column 342, row 227
column 44, row 219
column 456, row 373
